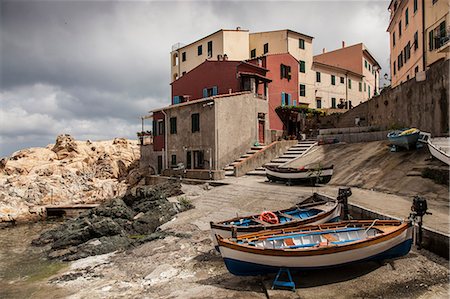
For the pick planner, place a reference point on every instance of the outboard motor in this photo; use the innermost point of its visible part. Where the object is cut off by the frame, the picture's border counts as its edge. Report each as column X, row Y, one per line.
column 419, row 209
column 343, row 195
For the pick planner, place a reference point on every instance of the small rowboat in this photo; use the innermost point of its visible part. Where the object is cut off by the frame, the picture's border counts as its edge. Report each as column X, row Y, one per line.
column 440, row 148
column 310, row 174
column 406, row 138
column 315, row 209
column 317, row 246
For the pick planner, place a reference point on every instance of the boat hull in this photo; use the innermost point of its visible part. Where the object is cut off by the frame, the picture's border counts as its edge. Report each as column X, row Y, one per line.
column 301, row 177
column 406, row 141
column 437, row 153
column 252, row 261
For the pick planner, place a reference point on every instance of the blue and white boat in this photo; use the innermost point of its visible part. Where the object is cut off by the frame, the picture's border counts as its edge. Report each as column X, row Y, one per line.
column 315, row 209
column 316, row 246
column 406, row 138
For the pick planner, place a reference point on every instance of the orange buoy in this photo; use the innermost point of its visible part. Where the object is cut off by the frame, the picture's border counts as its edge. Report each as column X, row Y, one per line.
column 269, row 217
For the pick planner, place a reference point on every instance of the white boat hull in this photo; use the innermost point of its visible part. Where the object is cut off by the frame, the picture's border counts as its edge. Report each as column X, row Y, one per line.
column 437, row 152
column 249, row 263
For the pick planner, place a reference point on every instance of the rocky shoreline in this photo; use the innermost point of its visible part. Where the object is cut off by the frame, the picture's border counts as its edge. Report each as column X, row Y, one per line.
column 116, row 224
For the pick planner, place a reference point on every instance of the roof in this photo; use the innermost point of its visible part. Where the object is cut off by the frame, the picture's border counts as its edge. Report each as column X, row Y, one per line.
column 201, row 100
column 288, row 30
column 220, row 30
column 371, row 57
column 263, row 78
column 346, row 71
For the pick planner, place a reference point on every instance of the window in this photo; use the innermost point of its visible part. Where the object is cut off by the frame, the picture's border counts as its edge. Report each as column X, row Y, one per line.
column 301, row 43
column 173, row 161
column 342, row 80
column 285, row 71
column 173, row 125
column 318, row 103
column 302, row 90
column 395, row 70
column 333, row 80
column 431, row 40
column 266, row 48
column 368, row 89
column 416, row 69
column 393, row 39
column 195, row 119
column 199, row 159
column 365, row 63
column 406, row 17
column 416, row 40
column 160, row 127
column 360, row 86
column 302, row 66
column 333, row 102
column 210, row 49
column 370, row 67
column 349, row 83
column 183, row 56
column 365, row 86
column 317, row 76
column 199, row 50
column 415, row 5
column 286, row 99
column 408, row 51
column 400, row 29
column 400, row 61
column 253, row 53
column 210, row 92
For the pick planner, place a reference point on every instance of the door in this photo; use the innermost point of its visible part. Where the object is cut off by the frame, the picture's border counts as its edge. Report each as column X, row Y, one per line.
column 261, row 131
column 159, row 164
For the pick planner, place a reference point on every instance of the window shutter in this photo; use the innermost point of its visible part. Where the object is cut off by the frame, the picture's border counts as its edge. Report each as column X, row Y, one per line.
column 295, row 102
column 289, row 99
column 205, row 92
column 176, row 100
column 214, row 90
column 282, row 99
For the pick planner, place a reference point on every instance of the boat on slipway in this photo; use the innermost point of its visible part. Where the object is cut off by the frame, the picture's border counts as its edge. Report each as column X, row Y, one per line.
column 406, row 138
column 315, row 209
column 316, row 246
column 440, row 148
column 311, row 174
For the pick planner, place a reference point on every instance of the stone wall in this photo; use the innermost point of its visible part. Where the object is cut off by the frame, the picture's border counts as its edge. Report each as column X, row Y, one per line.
column 420, row 104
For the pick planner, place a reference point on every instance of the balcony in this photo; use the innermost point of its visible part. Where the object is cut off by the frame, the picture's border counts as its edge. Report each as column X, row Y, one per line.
column 442, row 44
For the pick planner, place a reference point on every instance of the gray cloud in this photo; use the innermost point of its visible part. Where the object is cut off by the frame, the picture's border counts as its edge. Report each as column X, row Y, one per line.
column 92, row 68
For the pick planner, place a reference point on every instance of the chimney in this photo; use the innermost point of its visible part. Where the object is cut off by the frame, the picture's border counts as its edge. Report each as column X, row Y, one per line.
column 343, row 44
column 238, row 28
column 324, row 50
column 225, row 57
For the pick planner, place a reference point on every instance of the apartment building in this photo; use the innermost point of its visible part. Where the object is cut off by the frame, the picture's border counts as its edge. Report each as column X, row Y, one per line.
column 345, row 77
column 418, row 36
column 437, row 31
column 232, row 44
column 297, row 44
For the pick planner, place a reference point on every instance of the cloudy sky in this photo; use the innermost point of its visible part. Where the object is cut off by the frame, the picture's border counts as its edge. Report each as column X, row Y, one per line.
column 91, row 69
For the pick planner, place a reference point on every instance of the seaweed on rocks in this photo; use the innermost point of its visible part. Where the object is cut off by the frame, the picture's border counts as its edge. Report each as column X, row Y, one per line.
column 114, row 225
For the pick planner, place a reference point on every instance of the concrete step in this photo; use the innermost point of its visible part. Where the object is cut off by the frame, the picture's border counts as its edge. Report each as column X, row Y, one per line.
column 260, row 168
column 290, row 157
column 246, row 155
column 298, row 146
column 257, row 147
column 291, row 153
column 239, row 159
column 229, row 173
column 251, row 152
column 234, row 163
column 228, row 168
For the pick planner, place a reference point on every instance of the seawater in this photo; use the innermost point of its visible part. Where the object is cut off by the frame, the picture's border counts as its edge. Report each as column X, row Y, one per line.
column 24, row 269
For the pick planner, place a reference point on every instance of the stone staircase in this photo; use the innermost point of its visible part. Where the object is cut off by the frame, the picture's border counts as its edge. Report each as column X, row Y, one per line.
column 229, row 169
column 293, row 152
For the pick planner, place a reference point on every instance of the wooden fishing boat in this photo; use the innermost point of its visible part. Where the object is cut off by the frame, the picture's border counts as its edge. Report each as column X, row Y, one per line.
column 311, row 174
column 315, row 209
column 406, row 138
column 440, row 148
column 316, row 246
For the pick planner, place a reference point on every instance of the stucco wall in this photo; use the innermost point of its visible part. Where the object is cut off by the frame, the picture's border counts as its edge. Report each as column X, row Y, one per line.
column 237, row 125
column 424, row 105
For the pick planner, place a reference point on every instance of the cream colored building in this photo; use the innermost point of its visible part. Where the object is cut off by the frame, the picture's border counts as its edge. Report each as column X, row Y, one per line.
column 437, row 31
column 299, row 45
column 349, row 74
column 337, row 88
column 232, row 43
column 411, row 50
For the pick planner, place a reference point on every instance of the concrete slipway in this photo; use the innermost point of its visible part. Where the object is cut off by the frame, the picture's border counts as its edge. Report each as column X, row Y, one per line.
column 186, row 265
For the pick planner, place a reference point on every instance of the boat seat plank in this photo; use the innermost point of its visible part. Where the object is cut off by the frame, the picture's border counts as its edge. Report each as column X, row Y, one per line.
column 330, row 237
column 287, row 216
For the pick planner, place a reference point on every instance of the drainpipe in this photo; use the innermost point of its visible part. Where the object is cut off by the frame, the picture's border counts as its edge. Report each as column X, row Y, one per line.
column 424, row 62
column 346, row 90
column 165, row 139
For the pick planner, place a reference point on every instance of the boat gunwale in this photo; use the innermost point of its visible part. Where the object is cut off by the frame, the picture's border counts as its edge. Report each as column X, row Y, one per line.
column 278, row 169
column 335, row 248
